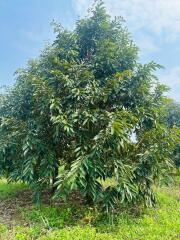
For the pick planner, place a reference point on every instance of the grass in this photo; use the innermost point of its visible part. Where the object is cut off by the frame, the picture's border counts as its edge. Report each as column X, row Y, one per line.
column 10, row 190
column 77, row 222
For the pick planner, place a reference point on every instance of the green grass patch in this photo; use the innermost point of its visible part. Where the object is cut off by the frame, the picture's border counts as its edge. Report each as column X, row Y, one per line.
column 8, row 190
column 48, row 216
column 80, row 222
column 3, row 231
column 72, row 222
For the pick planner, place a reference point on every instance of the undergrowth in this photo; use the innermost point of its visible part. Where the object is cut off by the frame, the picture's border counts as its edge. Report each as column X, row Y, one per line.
column 80, row 222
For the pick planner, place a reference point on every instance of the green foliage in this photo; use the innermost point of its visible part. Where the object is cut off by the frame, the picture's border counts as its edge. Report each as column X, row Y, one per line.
column 172, row 114
column 172, row 119
column 78, row 106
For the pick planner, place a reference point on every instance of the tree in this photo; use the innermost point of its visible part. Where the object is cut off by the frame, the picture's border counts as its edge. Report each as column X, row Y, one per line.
column 172, row 114
column 172, row 119
column 78, row 106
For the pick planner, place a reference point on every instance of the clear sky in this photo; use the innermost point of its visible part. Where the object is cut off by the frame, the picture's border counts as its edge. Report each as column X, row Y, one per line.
column 154, row 24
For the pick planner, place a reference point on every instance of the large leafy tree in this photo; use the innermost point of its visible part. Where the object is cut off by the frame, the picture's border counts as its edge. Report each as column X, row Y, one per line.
column 87, row 104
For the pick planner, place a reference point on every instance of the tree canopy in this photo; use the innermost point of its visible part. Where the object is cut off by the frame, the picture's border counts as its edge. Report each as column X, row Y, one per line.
column 87, row 105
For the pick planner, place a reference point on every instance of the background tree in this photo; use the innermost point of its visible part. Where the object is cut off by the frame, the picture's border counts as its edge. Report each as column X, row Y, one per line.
column 172, row 119
column 78, row 106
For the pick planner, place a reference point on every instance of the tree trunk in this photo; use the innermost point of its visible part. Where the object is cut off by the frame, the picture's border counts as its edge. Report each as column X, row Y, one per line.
column 54, row 179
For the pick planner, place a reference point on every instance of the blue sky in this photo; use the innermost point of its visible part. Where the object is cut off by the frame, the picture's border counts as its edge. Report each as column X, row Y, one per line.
column 154, row 24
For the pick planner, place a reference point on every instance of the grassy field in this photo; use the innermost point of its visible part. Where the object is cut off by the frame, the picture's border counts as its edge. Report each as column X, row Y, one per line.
column 21, row 220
